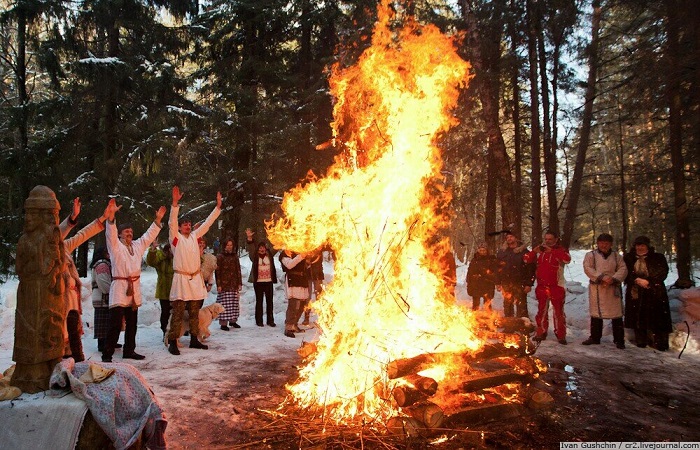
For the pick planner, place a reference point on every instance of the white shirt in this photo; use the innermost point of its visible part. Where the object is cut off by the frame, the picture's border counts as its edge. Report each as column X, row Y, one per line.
column 127, row 264
column 187, row 284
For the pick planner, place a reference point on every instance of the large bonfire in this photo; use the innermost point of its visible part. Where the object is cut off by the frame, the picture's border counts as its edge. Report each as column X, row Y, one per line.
column 382, row 209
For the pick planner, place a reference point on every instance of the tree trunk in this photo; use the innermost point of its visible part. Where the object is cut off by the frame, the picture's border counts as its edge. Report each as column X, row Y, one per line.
column 673, row 93
column 491, row 188
column 535, row 188
column 517, row 144
column 584, row 138
column 623, row 183
column 25, row 160
column 550, row 163
column 489, row 96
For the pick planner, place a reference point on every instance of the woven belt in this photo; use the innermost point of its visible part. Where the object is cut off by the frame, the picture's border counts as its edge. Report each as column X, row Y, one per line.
column 191, row 275
column 130, row 285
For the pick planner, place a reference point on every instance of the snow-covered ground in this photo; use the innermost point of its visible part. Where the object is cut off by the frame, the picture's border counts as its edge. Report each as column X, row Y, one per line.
column 251, row 345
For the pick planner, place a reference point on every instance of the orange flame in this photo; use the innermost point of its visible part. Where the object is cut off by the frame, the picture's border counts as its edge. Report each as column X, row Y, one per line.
column 381, row 208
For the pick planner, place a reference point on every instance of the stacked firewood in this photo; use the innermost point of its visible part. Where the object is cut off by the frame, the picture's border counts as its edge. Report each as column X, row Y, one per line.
column 505, row 359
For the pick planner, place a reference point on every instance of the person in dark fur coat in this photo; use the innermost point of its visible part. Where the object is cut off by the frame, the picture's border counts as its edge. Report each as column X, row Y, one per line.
column 646, row 301
column 481, row 281
column 228, row 284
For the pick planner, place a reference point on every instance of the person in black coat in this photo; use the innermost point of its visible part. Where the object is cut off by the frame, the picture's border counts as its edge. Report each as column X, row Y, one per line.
column 646, row 301
column 481, row 281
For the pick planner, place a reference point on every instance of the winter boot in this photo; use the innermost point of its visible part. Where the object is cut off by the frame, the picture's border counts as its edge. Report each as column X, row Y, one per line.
column 172, row 347
column 596, row 332
column 76, row 344
column 618, row 333
column 660, row 342
column 194, row 343
column 640, row 337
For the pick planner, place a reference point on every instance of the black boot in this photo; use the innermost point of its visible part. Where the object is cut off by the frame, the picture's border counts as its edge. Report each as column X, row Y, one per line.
column 640, row 337
column 194, row 343
column 76, row 344
column 660, row 342
column 596, row 332
column 618, row 333
column 172, row 347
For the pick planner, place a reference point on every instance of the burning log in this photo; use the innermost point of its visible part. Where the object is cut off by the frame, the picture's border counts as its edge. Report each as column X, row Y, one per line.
column 405, row 426
column 484, row 413
column 406, row 366
column 497, row 378
column 424, row 384
column 427, row 413
column 407, row 395
column 418, row 389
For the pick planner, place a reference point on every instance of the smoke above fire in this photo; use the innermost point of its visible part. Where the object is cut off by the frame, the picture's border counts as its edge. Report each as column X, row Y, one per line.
column 382, row 208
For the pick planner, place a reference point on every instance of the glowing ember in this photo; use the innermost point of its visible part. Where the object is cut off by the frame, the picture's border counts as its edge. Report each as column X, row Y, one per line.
column 382, row 209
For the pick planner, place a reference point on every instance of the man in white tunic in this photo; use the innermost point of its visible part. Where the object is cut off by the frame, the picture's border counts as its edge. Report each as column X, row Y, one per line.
column 188, row 290
column 126, row 255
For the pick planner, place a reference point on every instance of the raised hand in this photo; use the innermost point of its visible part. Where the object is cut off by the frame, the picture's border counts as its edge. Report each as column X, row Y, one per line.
column 160, row 214
column 111, row 209
column 177, row 195
column 76, row 208
column 218, row 200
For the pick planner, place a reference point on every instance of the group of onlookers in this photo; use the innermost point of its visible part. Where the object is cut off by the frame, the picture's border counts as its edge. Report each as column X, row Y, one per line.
column 515, row 269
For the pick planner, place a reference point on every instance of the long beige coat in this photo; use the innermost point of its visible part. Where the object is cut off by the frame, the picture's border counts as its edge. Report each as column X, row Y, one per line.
column 605, row 302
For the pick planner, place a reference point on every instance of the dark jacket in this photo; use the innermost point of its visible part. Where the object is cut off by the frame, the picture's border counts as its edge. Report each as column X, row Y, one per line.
column 647, row 309
column 228, row 272
column 512, row 268
column 253, row 255
column 481, row 275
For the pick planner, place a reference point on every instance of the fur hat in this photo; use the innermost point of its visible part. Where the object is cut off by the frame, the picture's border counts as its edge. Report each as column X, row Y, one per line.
column 604, row 237
column 642, row 240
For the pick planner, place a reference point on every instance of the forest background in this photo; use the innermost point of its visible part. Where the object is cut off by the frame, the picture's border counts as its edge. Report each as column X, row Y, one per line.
column 583, row 116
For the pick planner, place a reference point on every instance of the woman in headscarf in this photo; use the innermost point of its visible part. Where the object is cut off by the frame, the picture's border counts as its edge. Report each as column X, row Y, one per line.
column 646, row 301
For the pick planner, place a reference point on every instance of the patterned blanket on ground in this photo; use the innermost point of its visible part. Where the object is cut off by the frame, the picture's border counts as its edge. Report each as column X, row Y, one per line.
column 123, row 405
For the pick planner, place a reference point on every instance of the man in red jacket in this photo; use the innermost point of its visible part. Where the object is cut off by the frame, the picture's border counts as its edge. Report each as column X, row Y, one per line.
column 550, row 258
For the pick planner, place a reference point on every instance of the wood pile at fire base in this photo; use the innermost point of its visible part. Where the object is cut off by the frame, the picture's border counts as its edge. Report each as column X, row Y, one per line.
column 491, row 385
